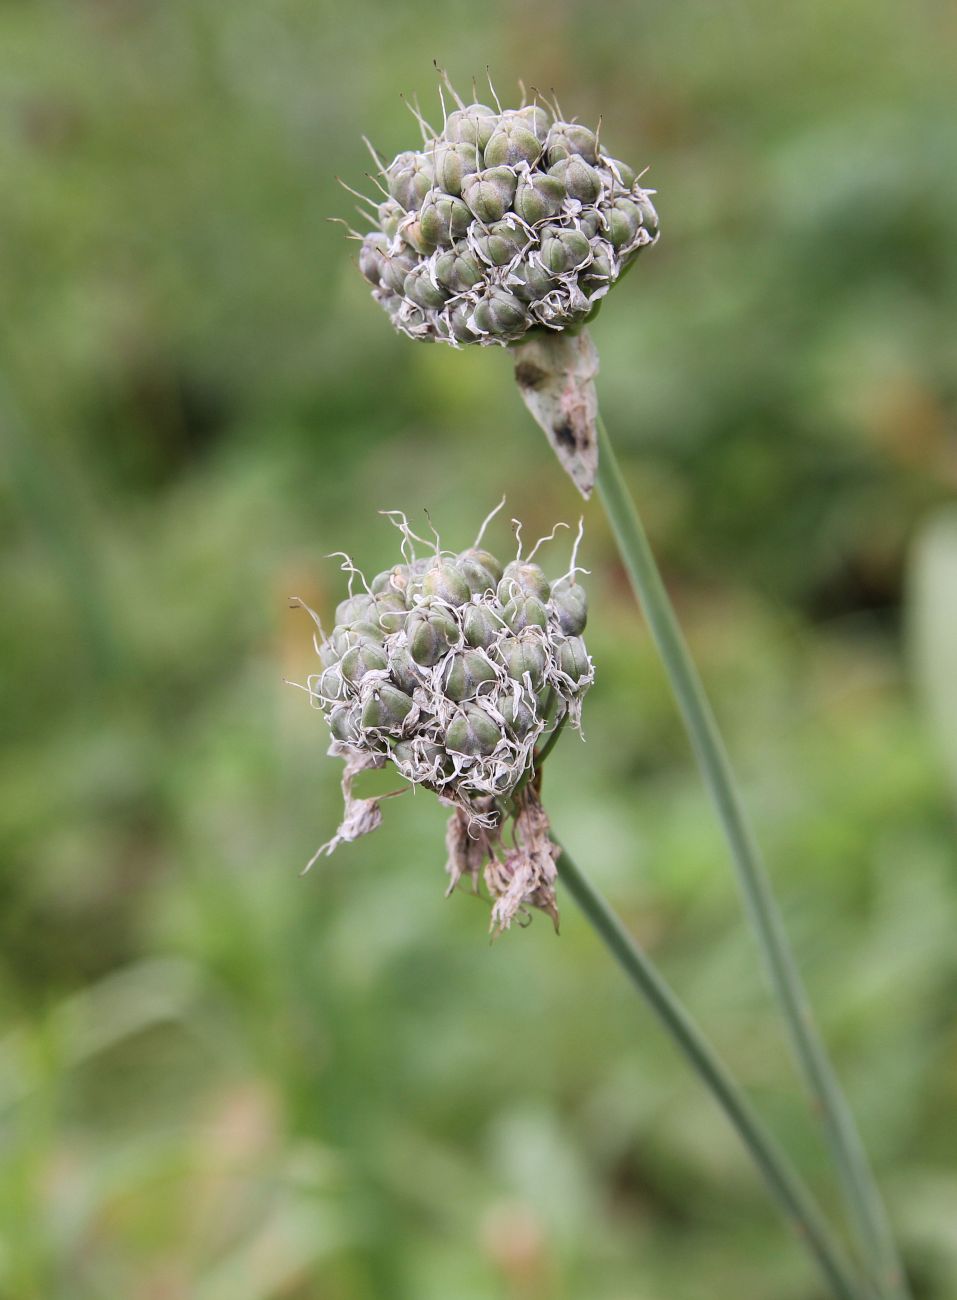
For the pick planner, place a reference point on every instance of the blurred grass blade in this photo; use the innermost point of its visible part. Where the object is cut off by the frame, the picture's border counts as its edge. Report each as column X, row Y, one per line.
column 932, row 628
column 47, row 500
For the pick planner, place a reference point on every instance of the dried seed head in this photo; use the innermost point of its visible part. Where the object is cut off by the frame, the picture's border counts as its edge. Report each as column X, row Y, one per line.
column 452, row 668
column 511, row 220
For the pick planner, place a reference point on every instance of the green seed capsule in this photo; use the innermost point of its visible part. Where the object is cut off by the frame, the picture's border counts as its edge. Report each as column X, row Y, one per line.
column 355, row 609
column 459, row 269
column 344, row 723
column 622, row 173
column 524, row 611
column 362, row 659
column 403, row 672
column 465, row 674
column 524, row 658
column 478, row 579
column 481, row 626
column 573, row 659
column 444, row 219
column 538, row 197
column 531, row 283
column 501, row 315
column 409, row 177
column 386, row 708
column 430, row 633
column 390, row 611
column 368, row 632
column 390, row 214
column 412, row 233
column 453, row 162
column 395, row 267
column 391, row 580
column 533, row 117
column 502, row 242
column 489, row 193
column 458, row 321
column 522, row 578
column 649, row 217
column 591, row 223
column 370, row 257
column 518, row 716
column 415, row 321
column 623, row 218
column 331, row 684
column 473, row 124
column 343, row 640
column 442, row 579
column 472, row 732
column 512, row 142
column 418, row 753
column 563, row 249
column 482, row 560
column 418, row 288
column 571, row 605
column 568, row 140
column 581, row 181
column 599, row 274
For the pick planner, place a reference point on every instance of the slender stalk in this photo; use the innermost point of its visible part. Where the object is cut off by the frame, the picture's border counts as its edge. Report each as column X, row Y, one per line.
column 784, row 1184
column 857, row 1180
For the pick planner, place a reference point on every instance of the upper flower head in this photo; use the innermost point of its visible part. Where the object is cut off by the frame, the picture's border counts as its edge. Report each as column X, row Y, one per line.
column 503, row 221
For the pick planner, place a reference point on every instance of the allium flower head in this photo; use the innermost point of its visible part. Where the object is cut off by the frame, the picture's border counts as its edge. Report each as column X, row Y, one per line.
column 456, row 670
column 503, row 221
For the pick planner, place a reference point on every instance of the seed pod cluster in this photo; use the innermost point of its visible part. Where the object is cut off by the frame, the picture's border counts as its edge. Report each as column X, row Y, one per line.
column 502, row 222
column 452, row 667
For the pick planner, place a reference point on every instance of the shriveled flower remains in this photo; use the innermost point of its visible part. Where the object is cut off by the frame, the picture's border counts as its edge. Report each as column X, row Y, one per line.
column 503, row 221
column 460, row 672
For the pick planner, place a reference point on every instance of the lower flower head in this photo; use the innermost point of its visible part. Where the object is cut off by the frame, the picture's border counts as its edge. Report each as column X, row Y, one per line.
column 452, row 668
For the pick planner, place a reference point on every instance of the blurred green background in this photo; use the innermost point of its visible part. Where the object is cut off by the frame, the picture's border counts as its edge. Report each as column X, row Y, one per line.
column 221, row 1081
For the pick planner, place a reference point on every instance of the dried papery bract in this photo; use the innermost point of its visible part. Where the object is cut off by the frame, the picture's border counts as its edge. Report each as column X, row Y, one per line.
column 555, row 374
column 503, row 222
column 457, row 671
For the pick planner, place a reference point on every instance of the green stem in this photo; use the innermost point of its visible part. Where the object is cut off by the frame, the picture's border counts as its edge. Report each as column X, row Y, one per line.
column 784, row 1184
column 857, row 1180
column 549, row 744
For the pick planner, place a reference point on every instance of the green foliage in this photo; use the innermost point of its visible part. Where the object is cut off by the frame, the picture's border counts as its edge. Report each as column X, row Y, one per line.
column 217, row 1079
